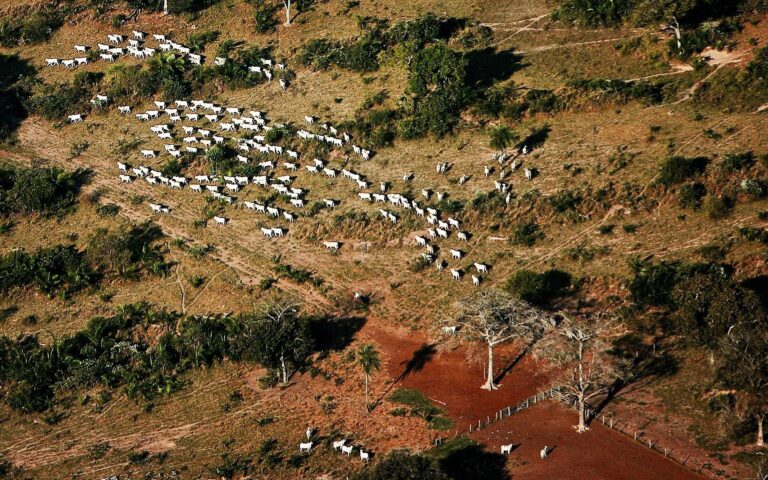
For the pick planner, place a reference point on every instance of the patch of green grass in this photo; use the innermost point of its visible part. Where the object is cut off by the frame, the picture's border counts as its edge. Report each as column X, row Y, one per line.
column 421, row 406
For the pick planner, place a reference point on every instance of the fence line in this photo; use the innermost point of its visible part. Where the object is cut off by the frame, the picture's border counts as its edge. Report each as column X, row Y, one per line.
column 696, row 465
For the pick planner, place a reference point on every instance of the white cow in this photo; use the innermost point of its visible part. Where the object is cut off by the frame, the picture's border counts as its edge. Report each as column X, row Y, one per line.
column 507, row 449
column 456, row 274
column 347, row 450
column 339, row 443
column 333, row 246
column 365, row 456
column 75, row 118
column 305, row 447
column 220, row 220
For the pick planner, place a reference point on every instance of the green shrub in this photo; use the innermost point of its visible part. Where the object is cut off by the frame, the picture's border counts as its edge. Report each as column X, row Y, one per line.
column 264, row 16
column 677, row 169
column 526, row 233
column 734, row 162
column 690, row 195
column 716, row 207
column 538, row 288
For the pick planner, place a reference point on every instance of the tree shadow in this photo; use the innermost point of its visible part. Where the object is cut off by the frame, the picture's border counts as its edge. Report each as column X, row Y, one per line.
column 334, row 333
column 489, row 65
column 12, row 111
column 416, row 363
column 508, row 368
column 647, row 365
column 536, row 138
column 474, row 462
column 759, row 285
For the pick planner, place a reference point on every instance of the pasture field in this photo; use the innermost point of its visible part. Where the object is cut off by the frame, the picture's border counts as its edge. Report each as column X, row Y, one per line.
column 596, row 198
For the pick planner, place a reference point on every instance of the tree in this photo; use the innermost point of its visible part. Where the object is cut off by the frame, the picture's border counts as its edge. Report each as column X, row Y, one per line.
column 495, row 317
column 368, row 358
column 502, row 137
column 281, row 338
column 580, row 348
column 743, row 367
column 287, row 4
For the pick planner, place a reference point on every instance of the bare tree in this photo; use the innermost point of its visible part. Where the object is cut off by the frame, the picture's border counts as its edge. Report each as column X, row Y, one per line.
column 287, row 4
column 495, row 317
column 579, row 348
column 165, row 7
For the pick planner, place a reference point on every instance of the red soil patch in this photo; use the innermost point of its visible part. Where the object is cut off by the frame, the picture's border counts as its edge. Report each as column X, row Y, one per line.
column 445, row 377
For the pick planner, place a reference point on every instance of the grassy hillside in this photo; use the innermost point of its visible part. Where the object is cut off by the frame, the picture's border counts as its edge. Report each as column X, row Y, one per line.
column 651, row 170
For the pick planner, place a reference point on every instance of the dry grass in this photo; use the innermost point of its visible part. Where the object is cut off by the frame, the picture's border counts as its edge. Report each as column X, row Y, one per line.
column 373, row 261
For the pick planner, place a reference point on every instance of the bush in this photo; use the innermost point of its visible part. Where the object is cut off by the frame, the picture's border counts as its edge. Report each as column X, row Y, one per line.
column 690, row 195
column 716, row 207
column 264, row 16
column 734, row 162
column 40, row 190
column 538, row 288
column 526, row 233
column 60, row 269
column 677, row 169
column 29, row 28
column 128, row 251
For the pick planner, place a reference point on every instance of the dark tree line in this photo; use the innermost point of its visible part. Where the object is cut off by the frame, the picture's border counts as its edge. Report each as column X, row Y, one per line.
column 119, row 352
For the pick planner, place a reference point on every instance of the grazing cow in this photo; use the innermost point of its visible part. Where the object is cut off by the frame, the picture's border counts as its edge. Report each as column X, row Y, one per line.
column 339, row 443
column 329, row 172
column 364, row 196
column 52, row 62
column 82, row 60
column 267, row 232
column 462, row 236
column 332, row 246
column 273, row 212
column 220, row 220
column 297, row 202
column 421, row 241
column 456, row 274
column 481, row 268
column 450, row 330
column 289, row 216
column 125, row 178
column 277, row 231
column 138, row 35
column 196, row 188
column 305, row 447
column 475, row 280
column 123, row 167
column 158, row 37
column 347, row 450
column 75, row 118
column 329, row 203
column 442, row 233
column 507, row 449
column 124, row 110
column 156, row 208
column 365, row 456
column 68, row 63
column 456, row 254
column 544, row 452
column 408, row 177
column 148, row 154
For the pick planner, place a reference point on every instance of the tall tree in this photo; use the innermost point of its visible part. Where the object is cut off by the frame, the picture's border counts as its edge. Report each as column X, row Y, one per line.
column 743, row 366
column 580, row 349
column 369, row 361
column 495, row 317
column 282, row 339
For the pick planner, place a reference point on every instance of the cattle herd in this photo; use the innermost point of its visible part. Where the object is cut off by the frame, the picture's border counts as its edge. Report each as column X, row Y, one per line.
column 190, row 127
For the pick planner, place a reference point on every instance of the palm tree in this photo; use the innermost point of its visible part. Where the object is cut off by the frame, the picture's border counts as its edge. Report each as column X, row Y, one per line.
column 502, row 137
column 369, row 360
